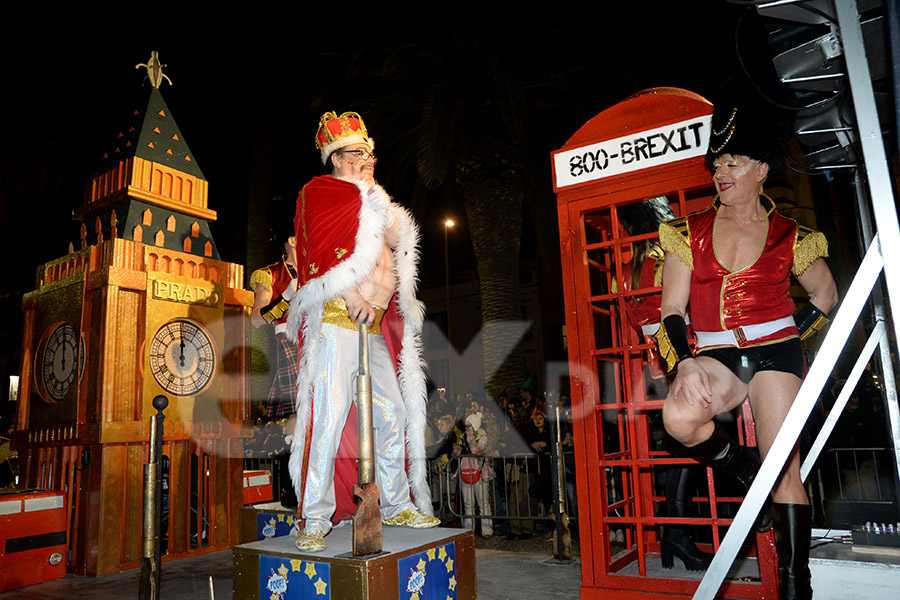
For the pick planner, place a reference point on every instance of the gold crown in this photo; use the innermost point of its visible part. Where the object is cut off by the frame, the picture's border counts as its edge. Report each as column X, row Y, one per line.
column 335, row 132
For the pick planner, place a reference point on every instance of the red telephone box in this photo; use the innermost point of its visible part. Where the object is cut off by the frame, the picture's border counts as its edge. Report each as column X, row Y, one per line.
column 650, row 145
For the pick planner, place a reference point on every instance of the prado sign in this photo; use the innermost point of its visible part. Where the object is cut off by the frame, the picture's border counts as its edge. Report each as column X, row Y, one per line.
column 649, row 148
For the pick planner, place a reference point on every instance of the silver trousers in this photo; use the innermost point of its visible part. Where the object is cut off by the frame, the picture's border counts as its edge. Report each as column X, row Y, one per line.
column 334, row 389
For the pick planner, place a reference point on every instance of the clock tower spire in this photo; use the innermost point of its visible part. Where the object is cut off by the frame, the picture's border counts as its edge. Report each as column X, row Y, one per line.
column 148, row 186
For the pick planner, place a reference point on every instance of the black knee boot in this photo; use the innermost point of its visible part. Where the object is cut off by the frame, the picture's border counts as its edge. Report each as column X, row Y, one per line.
column 724, row 453
column 677, row 539
column 792, row 534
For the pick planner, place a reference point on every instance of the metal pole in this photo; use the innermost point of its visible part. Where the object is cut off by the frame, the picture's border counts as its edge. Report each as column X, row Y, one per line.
column 364, row 411
column 889, row 385
column 839, row 404
column 152, row 516
column 367, row 536
column 563, row 550
column 447, row 226
column 159, row 403
column 892, row 11
column 880, row 186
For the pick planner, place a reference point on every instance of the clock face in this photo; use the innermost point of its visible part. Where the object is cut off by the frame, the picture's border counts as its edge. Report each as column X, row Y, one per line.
column 59, row 361
column 182, row 357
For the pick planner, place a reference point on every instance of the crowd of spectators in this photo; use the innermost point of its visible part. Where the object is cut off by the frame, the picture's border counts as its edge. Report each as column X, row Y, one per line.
column 498, row 455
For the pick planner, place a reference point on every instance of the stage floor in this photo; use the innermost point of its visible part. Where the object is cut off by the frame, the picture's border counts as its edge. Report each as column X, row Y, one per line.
column 501, row 576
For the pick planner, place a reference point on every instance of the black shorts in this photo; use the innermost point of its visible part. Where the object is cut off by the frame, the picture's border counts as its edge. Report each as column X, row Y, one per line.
column 786, row 356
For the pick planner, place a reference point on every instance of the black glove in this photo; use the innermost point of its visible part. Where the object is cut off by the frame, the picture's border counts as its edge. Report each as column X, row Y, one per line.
column 810, row 320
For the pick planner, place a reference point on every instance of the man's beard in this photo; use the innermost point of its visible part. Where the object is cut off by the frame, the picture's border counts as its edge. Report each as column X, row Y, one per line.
column 361, row 177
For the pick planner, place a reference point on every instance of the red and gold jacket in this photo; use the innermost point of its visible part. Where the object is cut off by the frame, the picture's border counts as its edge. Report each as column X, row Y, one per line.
column 721, row 299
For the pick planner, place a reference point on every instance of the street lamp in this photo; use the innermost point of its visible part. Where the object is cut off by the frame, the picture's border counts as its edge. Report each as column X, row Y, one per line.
column 448, row 224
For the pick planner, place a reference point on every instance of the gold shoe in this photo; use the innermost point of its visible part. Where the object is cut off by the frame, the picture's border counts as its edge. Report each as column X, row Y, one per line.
column 412, row 518
column 311, row 540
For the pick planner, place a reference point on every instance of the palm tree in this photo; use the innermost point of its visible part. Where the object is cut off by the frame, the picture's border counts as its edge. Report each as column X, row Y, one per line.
column 473, row 112
column 463, row 102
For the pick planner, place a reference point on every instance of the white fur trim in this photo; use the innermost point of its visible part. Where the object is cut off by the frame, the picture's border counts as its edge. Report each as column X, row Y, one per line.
column 350, row 273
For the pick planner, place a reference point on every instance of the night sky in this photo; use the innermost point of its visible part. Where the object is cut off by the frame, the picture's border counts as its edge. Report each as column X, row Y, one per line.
column 251, row 81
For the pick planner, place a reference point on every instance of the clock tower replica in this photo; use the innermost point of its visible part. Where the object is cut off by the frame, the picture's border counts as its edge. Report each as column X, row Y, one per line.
column 144, row 307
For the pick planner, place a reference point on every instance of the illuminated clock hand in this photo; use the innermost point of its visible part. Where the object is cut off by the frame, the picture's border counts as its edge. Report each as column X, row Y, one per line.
column 181, row 357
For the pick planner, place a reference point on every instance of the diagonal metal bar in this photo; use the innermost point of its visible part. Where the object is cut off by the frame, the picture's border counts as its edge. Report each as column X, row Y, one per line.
column 849, row 385
column 880, row 186
column 789, row 433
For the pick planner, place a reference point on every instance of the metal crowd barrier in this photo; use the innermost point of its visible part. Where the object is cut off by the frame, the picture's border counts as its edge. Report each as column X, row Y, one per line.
column 851, row 486
column 447, row 495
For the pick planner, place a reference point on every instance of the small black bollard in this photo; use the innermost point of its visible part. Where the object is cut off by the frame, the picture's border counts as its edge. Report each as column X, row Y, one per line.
column 152, row 524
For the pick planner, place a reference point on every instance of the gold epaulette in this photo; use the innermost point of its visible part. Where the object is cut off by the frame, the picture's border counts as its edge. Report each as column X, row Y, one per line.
column 675, row 237
column 658, row 255
column 666, row 350
column 263, row 276
column 809, row 245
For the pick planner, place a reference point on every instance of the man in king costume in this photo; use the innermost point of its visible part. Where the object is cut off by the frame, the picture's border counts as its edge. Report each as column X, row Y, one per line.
column 357, row 255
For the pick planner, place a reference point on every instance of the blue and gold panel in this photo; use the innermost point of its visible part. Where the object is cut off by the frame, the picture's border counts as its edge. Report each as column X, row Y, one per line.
column 283, row 578
column 429, row 575
column 272, row 525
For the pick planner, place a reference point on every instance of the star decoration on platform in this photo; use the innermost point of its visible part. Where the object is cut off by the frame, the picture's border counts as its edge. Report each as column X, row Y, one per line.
column 310, row 570
column 321, row 587
column 279, row 574
column 421, row 578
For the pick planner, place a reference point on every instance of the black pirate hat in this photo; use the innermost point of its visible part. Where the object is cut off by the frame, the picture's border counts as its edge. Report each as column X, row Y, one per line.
column 745, row 123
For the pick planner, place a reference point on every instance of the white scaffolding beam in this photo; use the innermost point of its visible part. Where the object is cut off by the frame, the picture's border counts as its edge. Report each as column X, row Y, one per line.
column 885, row 244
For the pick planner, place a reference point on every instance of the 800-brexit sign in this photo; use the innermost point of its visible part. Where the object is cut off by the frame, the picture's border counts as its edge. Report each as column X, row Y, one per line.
column 632, row 152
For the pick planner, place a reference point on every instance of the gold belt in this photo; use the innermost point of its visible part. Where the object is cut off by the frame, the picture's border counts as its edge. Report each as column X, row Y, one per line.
column 336, row 314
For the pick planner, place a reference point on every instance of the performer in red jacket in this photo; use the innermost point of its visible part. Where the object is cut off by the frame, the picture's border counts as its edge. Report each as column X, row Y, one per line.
column 732, row 262
column 273, row 286
column 356, row 263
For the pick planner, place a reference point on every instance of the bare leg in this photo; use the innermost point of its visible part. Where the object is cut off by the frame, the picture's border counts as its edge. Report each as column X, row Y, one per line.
column 691, row 423
column 771, row 395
